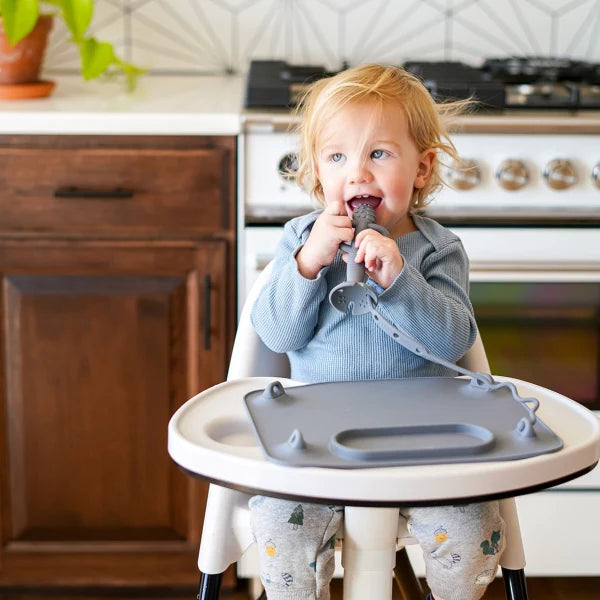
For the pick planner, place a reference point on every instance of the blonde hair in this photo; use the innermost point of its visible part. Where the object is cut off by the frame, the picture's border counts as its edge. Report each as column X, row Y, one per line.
column 379, row 84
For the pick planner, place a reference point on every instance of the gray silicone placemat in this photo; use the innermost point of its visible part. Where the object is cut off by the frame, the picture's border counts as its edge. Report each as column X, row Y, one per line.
column 393, row 422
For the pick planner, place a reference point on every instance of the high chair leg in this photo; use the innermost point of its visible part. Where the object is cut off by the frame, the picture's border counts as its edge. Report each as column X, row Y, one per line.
column 210, row 586
column 515, row 584
column 405, row 578
column 512, row 560
column 368, row 552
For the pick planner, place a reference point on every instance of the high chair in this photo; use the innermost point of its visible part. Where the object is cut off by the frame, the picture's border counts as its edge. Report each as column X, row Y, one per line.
column 374, row 538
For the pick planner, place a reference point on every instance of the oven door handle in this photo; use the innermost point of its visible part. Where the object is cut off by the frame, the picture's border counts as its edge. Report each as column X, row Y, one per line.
column 530, row 273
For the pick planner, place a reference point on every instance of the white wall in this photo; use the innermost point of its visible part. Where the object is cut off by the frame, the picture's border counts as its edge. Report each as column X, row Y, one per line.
column 213, row 36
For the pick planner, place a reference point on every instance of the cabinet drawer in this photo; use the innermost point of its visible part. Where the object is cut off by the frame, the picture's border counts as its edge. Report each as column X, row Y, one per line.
column 116, row 190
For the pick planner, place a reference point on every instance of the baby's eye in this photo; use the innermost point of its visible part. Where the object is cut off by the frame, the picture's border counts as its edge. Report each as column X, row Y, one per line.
column 379, row 154
column 337, row 157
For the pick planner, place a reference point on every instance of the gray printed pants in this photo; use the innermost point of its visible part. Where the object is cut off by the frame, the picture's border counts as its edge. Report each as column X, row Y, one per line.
column 461, row 546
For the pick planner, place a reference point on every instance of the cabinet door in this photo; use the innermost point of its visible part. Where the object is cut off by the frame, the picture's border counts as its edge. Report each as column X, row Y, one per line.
column 101, row 342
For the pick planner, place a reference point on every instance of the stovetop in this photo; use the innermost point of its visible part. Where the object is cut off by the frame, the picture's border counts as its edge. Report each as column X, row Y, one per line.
column 498, row 83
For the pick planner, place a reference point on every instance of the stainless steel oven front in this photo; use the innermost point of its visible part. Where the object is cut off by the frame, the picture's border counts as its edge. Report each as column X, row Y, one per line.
column 528, row 212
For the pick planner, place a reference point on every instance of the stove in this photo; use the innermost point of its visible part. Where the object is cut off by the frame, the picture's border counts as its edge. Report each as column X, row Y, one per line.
column 498, row 83
column 524, row 199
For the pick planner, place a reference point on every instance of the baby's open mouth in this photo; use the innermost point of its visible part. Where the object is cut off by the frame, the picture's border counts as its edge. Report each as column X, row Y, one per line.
column 373, row 201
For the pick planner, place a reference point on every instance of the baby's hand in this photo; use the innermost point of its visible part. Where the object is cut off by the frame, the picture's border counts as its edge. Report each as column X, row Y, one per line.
column 383, row 261
column 333, row 227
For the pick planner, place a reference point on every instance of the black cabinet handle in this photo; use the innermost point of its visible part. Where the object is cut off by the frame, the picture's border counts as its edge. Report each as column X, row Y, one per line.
column 207, row 286
column 76, row 192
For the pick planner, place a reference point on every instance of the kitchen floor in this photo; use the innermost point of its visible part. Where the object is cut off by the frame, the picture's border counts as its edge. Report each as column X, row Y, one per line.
column 582, row 588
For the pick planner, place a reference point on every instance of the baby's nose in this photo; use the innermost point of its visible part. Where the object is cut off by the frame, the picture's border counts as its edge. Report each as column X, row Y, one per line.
column 359, row 173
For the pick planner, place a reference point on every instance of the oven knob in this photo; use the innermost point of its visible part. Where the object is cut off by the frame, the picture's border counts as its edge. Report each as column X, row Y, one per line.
column 560, row 174
column 512, row 174
column 464, row 175
column 288, row 165
column 596, row 175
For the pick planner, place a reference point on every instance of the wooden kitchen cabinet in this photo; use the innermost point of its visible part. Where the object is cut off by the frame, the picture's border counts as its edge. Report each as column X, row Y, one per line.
column 115, row 310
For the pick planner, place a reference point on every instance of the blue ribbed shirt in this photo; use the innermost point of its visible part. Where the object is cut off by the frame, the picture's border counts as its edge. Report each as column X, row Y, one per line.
column 428, row 300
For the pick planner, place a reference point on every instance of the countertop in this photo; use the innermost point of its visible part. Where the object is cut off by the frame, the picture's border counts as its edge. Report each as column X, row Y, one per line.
column 213, row 105
column 507, row 121
column 160, row 105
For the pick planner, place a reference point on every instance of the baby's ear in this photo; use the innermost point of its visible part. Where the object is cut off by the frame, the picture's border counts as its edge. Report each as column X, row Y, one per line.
column 425, row 167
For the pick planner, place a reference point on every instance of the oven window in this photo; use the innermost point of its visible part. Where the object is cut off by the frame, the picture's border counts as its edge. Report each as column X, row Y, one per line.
column 545, row 333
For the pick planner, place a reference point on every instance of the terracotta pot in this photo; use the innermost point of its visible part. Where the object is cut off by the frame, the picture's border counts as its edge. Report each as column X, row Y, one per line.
column 22, row 62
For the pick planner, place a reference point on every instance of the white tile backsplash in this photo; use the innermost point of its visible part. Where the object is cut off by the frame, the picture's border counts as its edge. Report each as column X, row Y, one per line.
column 216, row 36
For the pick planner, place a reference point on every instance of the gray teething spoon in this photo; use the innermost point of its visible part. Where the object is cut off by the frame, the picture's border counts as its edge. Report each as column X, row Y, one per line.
column 353, row 294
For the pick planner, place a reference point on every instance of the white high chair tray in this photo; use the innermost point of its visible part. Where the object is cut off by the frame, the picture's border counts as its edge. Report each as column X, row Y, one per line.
column 211, row 437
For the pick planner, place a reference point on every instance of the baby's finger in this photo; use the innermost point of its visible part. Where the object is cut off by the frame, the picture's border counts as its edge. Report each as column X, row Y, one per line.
column 335, row 207
column 360, row 254
column 346, row 235
column 365, row 237
column 340, row 221
column 372, row 263
column 366, row 233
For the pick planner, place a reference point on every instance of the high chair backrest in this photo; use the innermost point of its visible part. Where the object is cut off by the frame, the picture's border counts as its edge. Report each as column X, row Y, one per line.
column 251, row 358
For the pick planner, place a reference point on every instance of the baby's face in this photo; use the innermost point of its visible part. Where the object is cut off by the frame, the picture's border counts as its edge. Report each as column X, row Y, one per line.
column 366, row 155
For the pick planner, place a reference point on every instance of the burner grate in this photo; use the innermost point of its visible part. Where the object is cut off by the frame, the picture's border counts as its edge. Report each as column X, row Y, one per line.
column 499, row 83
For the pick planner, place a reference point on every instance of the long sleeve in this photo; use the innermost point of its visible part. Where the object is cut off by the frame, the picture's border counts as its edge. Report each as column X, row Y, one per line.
column 286, row 312
column 430, row 302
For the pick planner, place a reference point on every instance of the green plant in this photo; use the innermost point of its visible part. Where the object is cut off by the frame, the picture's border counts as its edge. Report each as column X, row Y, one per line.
column 97, row 58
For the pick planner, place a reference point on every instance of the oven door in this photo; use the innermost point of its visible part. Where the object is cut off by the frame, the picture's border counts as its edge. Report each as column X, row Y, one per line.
column 536, row 297
column 543, row 325
column 544, row 330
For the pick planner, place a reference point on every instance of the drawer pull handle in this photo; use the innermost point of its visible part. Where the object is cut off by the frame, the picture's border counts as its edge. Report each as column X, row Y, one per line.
column 76, row 192
column 207, row 286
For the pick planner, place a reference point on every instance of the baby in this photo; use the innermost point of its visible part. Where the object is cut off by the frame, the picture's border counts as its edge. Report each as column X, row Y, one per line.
column 370, row 135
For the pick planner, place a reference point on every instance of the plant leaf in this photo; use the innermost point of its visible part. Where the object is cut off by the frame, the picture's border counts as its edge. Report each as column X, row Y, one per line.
column 95, row 57
column 78, row 16
column 131, row 73
column 19, row 18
